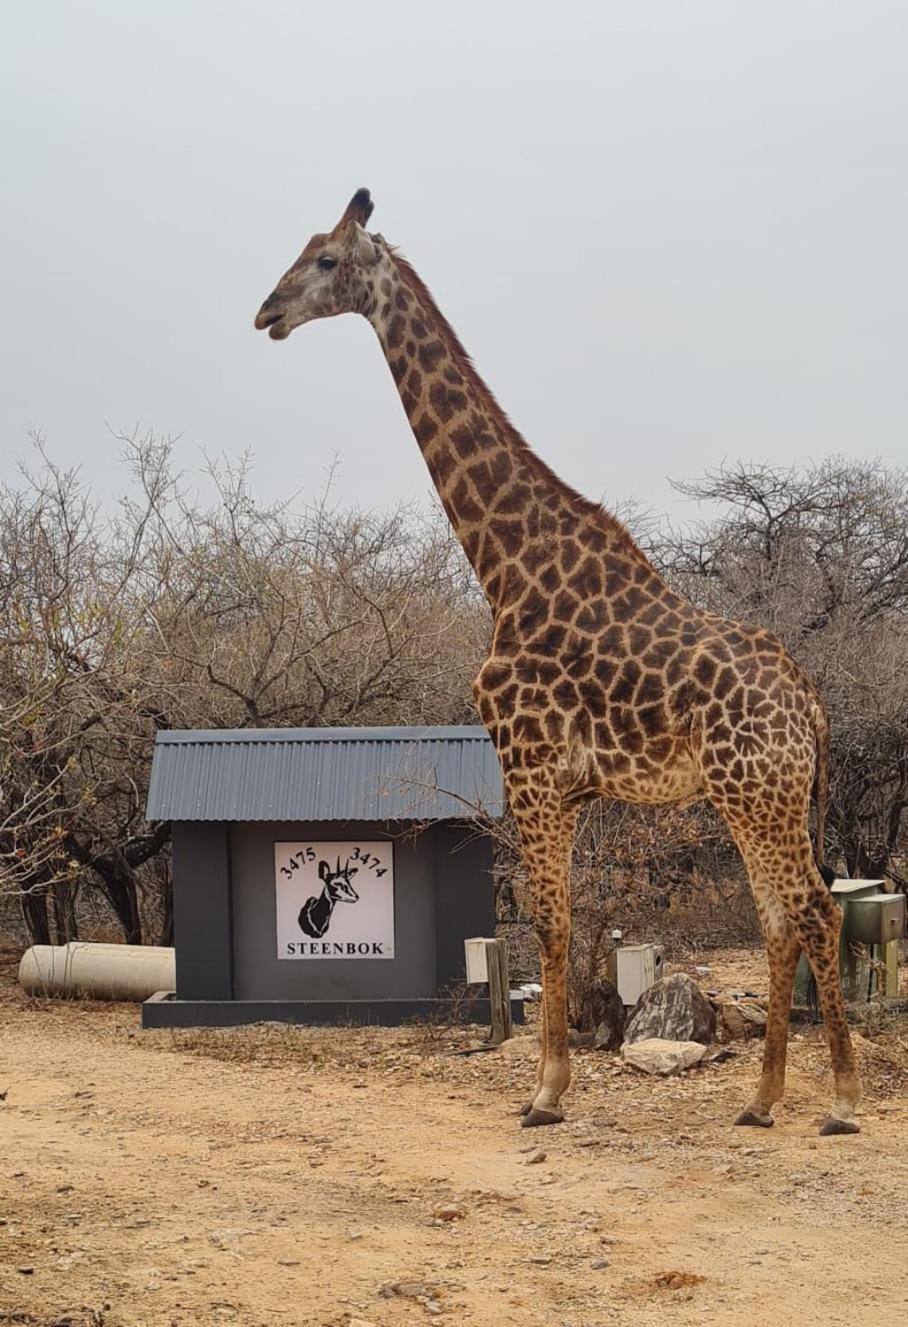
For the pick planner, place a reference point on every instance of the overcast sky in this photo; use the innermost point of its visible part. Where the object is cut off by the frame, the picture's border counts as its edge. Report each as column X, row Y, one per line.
column 670, row 234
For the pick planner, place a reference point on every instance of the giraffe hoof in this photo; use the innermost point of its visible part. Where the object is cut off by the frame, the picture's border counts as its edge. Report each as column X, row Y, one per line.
column 756, row 1118
column 526, row 1108
column 832, row 1126
column 534, row 1118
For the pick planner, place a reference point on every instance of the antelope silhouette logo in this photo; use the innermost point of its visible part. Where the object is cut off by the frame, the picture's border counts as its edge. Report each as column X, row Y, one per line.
column 315, row 914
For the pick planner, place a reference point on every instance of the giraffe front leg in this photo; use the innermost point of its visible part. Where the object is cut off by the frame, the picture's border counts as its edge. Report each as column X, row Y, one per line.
column 546, row 833
column 540, row 1071
column 554, row 1073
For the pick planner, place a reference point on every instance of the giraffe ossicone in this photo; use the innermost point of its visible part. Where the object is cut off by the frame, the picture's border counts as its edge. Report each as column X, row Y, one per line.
column 601, row 681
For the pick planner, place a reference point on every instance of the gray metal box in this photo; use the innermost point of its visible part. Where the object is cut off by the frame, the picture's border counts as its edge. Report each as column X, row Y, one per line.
column 876, row 920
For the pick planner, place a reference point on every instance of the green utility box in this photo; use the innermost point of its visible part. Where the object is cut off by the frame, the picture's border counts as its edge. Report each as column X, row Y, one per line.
column 872, row 926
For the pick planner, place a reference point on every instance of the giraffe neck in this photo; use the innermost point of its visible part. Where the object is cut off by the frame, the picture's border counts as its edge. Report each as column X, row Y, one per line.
column 506, row 506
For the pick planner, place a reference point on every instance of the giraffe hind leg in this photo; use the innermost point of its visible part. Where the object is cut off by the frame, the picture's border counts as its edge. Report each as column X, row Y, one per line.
column 783, row 949
column 800, row 897
column 819, row 925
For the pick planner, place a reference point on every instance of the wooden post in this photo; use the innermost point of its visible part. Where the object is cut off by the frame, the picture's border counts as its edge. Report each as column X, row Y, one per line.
column 890, row 981
column 499, row 991
column 487, row 961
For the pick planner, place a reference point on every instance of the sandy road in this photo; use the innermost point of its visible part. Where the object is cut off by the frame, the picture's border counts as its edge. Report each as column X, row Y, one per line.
column 291, row 1177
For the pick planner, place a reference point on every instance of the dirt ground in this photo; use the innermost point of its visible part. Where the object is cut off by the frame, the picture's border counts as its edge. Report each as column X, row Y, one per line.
column 281, row 1176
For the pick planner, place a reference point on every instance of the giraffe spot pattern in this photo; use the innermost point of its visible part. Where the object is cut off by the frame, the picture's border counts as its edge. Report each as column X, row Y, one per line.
column 601, row 681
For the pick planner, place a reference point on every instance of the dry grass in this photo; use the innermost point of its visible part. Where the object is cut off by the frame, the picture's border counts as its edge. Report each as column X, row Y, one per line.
column 274, row 1045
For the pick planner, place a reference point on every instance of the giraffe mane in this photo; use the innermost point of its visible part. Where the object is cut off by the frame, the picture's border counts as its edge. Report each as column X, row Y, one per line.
column 582, row 506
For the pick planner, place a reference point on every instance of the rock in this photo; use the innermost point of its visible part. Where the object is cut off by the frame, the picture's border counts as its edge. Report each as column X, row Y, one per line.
column 535, row 1158
column 360, row 1322
column 408, row 1290
column 448, row 1213
column 603, row 1015
column 674, row 1009
column 609, row 1017
column 657, row 1055
column 598, row 1264
column 741, row 1019
column 679, row 1280
column 518, row 1048
column 225, row 1239
column 507, row 1197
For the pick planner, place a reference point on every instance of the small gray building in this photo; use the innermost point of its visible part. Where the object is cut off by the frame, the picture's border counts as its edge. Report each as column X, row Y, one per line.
column 323, row 874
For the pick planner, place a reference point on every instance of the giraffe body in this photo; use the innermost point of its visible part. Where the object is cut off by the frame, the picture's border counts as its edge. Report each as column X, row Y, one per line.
column 600, row 680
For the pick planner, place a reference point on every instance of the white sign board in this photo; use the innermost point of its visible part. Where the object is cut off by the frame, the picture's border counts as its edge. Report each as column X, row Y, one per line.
column 334, row 900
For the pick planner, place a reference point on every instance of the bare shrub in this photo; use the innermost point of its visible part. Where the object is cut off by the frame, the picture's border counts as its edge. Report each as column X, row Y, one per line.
column 820, row 556
column 175, row 613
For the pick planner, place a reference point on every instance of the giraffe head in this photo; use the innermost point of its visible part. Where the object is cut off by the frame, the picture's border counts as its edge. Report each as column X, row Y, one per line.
column 334, row 274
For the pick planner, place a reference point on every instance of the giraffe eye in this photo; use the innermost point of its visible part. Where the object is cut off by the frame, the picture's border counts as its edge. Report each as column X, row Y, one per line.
column 326, row 263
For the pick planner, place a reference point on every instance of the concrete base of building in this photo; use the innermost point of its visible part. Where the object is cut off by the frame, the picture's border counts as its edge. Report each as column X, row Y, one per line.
column 164, row 1010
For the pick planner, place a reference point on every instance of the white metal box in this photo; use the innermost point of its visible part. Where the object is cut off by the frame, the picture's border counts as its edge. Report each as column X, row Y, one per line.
column 637, row 967
column 477, row 959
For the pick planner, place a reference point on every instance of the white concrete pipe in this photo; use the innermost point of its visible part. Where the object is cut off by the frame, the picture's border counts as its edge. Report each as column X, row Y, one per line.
column 97, row 972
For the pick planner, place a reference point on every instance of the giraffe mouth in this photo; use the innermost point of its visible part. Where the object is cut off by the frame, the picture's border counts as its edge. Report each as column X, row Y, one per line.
column 277, row 328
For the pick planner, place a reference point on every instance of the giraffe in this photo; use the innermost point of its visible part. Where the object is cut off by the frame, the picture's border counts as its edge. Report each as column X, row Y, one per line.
column 600, row 680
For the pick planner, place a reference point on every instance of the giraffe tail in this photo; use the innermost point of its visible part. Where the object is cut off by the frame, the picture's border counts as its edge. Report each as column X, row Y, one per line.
column 821, row 788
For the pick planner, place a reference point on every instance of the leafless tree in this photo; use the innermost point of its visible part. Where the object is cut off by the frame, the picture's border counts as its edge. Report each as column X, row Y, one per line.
column 183, row 608
column 821, row 557
column 177, row 612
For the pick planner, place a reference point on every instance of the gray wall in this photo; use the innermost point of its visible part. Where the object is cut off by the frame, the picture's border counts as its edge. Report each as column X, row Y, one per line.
column 202, row 911
column 465, row 902
column 224, row 913
column 260, row 975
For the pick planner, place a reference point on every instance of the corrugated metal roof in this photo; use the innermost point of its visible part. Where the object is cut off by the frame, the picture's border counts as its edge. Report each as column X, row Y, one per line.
column 323, row 774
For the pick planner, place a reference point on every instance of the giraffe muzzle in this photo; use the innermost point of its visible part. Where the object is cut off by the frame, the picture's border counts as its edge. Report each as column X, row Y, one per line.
column 272, row 318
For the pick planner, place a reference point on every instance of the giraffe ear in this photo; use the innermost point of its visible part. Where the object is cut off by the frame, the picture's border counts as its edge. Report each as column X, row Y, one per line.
column 366, row 252
column 359, row 209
